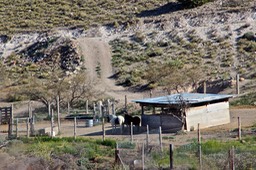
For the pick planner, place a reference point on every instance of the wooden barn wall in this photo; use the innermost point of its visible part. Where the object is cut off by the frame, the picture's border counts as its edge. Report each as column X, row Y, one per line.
column 208, row 115
column 168, row 123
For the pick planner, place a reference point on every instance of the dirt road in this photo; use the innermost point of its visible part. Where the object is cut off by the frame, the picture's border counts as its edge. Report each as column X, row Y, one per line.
column 97, row 54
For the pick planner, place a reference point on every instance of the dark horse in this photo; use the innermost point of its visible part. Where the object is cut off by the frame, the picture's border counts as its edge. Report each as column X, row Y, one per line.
column 128, row 119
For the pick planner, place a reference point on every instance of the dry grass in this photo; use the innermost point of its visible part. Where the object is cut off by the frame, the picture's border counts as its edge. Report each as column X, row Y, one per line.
column 33, row 15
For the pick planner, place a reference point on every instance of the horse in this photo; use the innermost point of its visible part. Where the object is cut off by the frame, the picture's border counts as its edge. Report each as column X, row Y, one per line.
column 136, row 121
column 128, row 119
column 109, row 117
column 117, row 120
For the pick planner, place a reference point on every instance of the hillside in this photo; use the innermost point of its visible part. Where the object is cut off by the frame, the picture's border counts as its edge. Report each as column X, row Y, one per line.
column 44, row 45
column 123, row 39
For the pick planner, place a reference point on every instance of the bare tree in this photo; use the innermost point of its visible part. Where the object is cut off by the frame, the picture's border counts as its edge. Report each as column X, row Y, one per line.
column 183, row 105
column 70, row 89
column 80, row 88
column 173, row 76
column 179, row 109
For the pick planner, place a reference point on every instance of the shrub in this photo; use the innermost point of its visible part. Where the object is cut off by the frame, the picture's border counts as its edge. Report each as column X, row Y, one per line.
column 107, row 142
column 249, row 36
column 139, row 37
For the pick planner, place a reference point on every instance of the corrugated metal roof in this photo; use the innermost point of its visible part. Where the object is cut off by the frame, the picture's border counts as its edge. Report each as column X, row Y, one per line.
column 190, row 98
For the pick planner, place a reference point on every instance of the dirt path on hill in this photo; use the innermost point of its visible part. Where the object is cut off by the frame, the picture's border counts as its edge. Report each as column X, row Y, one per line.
column 97, row 53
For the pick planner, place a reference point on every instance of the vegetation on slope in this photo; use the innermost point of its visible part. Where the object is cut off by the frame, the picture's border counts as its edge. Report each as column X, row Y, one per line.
column 34, row 15
column 138, row 62
column 141, row 58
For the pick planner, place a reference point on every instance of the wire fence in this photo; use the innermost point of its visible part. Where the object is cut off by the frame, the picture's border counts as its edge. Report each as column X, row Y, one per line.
column 138, row 152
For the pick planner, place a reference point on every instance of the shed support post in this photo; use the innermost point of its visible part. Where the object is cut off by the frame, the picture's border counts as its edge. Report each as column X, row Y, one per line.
column 154, row 110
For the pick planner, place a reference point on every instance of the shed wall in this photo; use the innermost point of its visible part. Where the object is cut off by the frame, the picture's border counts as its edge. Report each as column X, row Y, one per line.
column 168, row 123
column 208, row 115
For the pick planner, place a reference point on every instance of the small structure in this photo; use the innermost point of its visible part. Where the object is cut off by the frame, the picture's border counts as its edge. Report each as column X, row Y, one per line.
column 184, row 111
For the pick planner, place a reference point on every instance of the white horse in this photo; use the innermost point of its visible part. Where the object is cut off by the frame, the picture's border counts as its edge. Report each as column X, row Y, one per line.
column 117, row 120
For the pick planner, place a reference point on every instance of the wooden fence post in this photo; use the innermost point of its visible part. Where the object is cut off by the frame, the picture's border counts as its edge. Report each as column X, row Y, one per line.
column 108, row 107
column 75, row 127
column 160, row 138
column 52, row 123
column 204, row 87
column 103, row 124
column 113, row 107
column 231, row 158
column 100, row 108
column 143, row 157
column 171, row 156
column 27, row 127
column 239, row 129
column 68, row 108
column 17, row 122
column 49, row 109
column 29, row 109
column 199, row 146
column 10, row 121
column 131, row 132
column 117, row 161
column 125, row 103
column 237, row 84
column 11, row 117
column 87, row 107
column 31, row 118
column 58, row 114
column 147, row 137
column 94, row 110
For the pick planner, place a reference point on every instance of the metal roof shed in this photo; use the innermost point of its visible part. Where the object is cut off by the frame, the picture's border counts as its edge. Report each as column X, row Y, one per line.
column 185, row 110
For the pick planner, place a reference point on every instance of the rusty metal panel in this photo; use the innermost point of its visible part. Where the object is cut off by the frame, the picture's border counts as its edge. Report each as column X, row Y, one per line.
column 208, row 115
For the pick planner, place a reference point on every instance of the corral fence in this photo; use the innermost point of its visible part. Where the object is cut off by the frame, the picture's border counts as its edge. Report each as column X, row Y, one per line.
column 17, row 125
column 149, row 152
column 22, row 127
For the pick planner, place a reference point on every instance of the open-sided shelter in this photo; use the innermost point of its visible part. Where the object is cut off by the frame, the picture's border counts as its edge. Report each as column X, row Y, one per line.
column 185, row 110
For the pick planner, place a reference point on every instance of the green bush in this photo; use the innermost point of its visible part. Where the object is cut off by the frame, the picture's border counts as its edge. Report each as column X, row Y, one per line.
column 107, row 142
